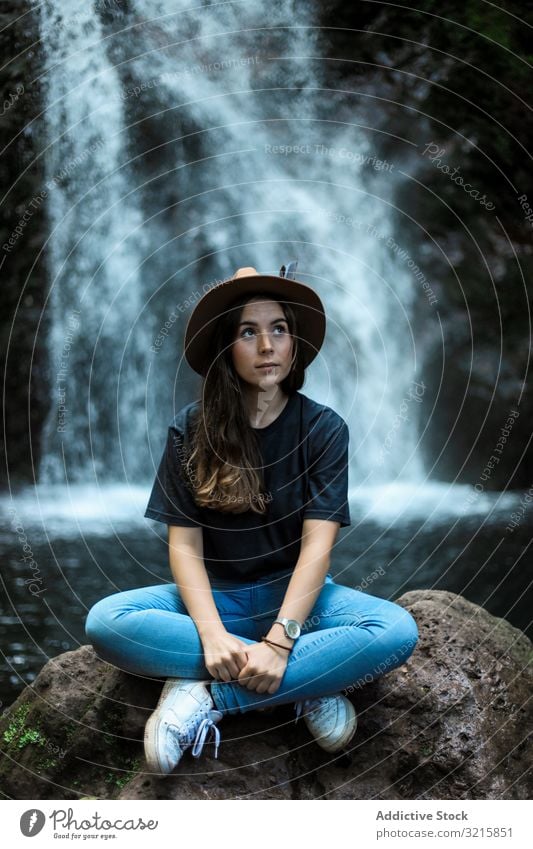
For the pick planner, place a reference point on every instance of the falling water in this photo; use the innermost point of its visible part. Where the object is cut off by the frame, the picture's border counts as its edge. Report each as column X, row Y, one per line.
column 96, row 350
column 199, row 140
column 180, row 144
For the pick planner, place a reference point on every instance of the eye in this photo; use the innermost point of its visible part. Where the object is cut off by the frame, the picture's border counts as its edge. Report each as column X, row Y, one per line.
column 251, row 330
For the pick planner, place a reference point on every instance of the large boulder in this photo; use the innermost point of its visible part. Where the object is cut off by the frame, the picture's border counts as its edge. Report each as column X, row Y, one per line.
column 451, row 723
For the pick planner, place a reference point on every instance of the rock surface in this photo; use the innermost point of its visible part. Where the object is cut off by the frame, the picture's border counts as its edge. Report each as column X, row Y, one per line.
column 451, row 723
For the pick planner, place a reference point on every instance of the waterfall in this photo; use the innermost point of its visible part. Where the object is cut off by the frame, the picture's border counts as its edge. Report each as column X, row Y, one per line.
column 94, row 251
column 197, row 140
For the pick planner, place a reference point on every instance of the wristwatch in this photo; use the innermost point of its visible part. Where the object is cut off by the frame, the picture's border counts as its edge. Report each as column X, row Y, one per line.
column 291, row 627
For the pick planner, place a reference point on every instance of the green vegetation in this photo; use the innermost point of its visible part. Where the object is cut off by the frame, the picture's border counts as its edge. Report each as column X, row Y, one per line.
column 121, row 779
column 19, row 735
column 16, row 724
column 30, row 735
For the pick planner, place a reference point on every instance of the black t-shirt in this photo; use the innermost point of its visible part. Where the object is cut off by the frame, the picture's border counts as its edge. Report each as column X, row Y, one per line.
column 305, row 472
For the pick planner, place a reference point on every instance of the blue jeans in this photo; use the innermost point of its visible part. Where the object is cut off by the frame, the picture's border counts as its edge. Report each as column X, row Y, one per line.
column 348, row 639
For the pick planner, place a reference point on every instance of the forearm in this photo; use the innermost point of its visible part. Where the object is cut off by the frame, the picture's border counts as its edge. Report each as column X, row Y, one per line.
column 303, row 590
column 192, row 580
column 308, row 577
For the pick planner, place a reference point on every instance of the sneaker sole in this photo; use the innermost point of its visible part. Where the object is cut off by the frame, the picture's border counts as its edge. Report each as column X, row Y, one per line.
column 349, row 730
column 151, row 732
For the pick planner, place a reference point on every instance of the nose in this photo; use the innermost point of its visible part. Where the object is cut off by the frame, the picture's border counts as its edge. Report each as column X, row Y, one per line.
column 264, row 342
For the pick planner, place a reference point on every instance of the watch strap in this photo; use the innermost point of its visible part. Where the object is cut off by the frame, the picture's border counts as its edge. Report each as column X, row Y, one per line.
column 279, row 645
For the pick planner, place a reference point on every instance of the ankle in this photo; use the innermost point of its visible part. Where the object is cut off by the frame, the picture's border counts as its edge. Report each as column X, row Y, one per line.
column 209, row 688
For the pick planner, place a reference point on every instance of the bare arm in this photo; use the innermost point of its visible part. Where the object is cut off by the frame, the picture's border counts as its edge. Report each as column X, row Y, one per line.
column 318, row 537
column 266, row 664
column 186, row 555
column 224, row 653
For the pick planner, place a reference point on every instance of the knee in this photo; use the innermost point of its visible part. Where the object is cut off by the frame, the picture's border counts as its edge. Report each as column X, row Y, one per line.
column 406, row 632
column 97, row 623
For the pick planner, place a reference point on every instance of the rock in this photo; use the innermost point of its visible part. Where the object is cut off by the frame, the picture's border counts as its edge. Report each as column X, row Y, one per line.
column 451, row 723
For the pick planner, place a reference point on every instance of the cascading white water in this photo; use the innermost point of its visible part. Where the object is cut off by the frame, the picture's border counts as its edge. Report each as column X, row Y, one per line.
column 93, row 254
column 180, row 144
column 212, row 146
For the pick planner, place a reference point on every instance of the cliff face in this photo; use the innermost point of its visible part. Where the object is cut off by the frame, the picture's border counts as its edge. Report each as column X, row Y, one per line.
column 449, row 724
column 477, row 260
column 23, row 226
column 454, row 88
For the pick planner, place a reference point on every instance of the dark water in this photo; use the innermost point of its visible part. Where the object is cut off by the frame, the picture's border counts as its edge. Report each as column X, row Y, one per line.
column 470, row 556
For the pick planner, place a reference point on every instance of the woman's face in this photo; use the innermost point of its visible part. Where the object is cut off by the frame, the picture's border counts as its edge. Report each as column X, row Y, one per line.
column 262, row 337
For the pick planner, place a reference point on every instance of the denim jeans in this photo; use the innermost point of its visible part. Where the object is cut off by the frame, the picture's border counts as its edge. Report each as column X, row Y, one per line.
column 348, row 639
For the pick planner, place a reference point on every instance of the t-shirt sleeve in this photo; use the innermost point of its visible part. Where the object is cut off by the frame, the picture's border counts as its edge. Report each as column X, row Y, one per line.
column 171, row 499
column 328, row 474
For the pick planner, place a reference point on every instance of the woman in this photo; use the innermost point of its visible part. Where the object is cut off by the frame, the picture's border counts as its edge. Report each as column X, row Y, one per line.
column 253, row 486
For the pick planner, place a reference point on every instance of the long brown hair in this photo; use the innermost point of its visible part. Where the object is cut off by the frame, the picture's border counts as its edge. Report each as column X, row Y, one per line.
column 225, row 465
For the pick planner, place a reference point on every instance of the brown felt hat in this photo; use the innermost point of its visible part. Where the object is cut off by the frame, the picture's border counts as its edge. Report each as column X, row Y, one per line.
column 304, row 300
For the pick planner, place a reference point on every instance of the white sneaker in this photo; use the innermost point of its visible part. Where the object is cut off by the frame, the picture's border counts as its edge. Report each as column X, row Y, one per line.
column 331, row 720
column 184, row 716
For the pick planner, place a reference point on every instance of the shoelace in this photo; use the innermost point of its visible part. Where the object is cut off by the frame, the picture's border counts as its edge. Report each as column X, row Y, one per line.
column 207, row 725
column 305, row 704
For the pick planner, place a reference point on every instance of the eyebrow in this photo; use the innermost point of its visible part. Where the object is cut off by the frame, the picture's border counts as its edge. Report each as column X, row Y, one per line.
column 274, row 321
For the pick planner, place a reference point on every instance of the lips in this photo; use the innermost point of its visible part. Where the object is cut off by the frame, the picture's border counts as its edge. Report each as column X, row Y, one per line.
column 266, row 365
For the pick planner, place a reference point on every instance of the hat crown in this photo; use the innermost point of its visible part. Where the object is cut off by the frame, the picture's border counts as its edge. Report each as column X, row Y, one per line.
column 247, row 280
column 248, row 271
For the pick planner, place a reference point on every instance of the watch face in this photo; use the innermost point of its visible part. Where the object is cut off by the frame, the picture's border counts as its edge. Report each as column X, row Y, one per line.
column 293, row 629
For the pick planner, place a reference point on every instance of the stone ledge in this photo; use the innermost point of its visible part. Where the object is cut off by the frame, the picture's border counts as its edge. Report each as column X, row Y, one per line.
column 451, row 723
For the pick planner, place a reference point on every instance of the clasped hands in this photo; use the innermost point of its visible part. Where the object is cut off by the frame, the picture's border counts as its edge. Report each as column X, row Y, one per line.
column 256, row 666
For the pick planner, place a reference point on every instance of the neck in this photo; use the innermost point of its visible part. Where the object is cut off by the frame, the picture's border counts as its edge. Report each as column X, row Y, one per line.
column 263, row 405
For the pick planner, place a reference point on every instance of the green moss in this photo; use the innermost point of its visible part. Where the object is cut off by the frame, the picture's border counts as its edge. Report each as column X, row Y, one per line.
column 30, row 735
column 17, row 723
column 46, row 763
column 70, row 731
column 120, row 780
column 19, row 735
column 426, row 749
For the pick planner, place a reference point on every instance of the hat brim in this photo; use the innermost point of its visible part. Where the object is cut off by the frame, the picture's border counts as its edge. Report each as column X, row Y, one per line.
column 201, row 325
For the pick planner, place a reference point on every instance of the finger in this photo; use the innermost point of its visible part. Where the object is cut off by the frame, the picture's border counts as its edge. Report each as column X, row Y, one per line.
column 242, row 678
column 241, row 659
column 233, row 669
column 246, row 675
column 273, row 687
column 213, row 670
column 253, row 682
column 223, row 673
